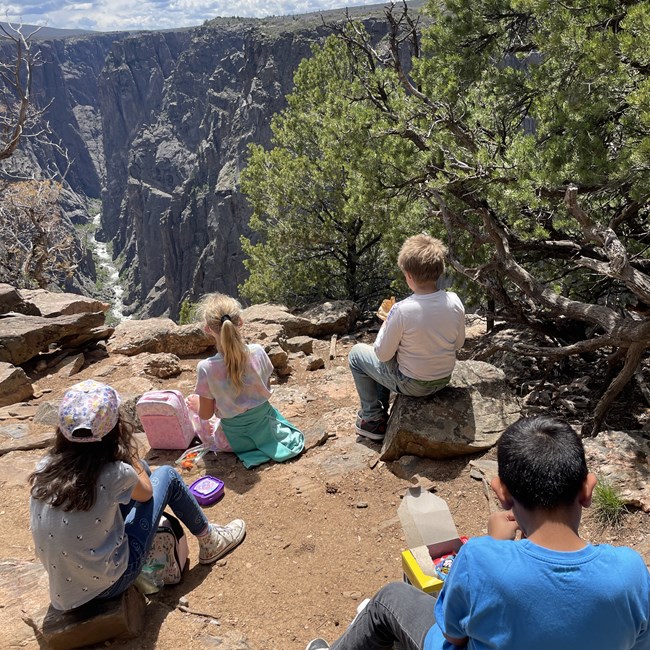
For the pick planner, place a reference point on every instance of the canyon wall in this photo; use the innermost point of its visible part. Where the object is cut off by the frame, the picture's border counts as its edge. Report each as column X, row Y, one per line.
column 158, row 124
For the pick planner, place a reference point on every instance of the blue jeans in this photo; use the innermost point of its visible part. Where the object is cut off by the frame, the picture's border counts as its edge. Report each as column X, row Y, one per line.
column 141, row 521
column 375, row 379
column 397, row 613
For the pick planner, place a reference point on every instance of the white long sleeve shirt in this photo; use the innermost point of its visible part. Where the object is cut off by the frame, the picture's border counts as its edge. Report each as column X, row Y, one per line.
column 424, row 330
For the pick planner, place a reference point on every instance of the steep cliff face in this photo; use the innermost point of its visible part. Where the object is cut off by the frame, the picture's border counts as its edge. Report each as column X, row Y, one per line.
column 64, row 84
column 67, row 80
column 158, row 124
column 179, row 110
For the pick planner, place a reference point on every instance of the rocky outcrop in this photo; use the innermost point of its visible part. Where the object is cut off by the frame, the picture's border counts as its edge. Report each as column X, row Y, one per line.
column 12, row 300
column 24, row 337
column 335, row 317
column 50, row 304
column 46, row 318
column 159, row 335
column 467, row 416
column 14, row 385
column 622, row 461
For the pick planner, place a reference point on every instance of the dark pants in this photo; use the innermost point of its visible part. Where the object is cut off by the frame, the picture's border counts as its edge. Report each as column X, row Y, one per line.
column 397, row 613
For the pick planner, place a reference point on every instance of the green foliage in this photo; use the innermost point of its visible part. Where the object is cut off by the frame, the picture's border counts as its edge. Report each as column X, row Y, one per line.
column 609, row 506
column 506, row 104
column 327, row 218
column 539, row 95
column 187, row 312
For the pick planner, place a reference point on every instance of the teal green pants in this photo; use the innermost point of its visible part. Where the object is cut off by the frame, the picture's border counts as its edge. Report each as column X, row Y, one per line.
column 262, row 434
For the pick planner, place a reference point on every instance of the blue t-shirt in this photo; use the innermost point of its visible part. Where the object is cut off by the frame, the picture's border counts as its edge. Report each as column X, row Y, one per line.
column 519, row 596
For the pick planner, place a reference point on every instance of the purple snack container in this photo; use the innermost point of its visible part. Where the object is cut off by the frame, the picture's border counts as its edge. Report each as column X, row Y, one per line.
column 207, row 490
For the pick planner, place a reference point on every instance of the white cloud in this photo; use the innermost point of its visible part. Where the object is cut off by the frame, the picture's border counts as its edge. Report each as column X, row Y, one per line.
column 115, row 15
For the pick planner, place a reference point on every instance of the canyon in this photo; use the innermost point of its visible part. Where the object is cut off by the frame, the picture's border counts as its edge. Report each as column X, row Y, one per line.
column 157, row 125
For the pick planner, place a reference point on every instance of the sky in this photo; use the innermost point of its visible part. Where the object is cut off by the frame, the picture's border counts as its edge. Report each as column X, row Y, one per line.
column 118, row 15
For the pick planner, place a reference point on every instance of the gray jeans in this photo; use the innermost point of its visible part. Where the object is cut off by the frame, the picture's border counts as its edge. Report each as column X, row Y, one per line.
column 397, row 613
column 374, row 379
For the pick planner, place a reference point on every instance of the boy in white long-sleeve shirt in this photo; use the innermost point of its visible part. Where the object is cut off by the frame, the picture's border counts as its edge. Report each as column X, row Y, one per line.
column 415, row 351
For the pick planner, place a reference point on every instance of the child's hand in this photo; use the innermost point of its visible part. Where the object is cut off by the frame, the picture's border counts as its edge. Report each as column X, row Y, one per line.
column 192, row 402
column 502, row 525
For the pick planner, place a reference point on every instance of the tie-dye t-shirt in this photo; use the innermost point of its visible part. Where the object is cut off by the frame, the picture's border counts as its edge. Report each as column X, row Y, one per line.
column 212, row 382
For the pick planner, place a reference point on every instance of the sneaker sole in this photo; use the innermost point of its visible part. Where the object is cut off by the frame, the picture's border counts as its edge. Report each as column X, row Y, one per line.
column 225, row 551
column 317, row 644
column 377, row 437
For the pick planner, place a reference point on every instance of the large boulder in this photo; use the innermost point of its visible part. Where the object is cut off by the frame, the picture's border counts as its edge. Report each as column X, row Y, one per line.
column 23, row 337
column 133, row 337
column 11, row 300
column 334, row 317
column 621, row 459
column 467, row 416
column 14, row 385
column 269, row 316
column 50, row 304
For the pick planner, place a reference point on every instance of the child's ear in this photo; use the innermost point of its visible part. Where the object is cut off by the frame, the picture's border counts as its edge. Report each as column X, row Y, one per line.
column 502, row 493
column 587, row 490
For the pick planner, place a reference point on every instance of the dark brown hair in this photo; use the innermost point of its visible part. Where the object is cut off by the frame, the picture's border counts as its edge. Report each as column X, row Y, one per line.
column 70, row 471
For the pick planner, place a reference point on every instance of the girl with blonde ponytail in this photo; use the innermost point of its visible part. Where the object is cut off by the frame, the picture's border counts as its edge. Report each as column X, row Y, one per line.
column 234, row 385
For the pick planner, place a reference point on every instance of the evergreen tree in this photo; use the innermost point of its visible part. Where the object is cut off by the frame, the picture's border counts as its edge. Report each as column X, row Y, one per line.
column 521, row 127
column 327, row 219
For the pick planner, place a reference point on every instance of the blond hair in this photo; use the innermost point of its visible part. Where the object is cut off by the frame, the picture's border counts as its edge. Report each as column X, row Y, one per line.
column 222, row 314
column 423, row 258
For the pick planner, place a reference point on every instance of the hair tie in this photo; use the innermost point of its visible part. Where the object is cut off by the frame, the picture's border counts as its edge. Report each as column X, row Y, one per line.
column 224, row 318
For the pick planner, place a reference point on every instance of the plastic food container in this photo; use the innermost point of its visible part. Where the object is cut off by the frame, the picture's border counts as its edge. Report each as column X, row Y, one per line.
column 207, row 490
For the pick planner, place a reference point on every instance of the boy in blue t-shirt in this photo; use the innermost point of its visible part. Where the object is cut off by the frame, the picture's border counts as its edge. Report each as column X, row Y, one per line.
column 549, row 591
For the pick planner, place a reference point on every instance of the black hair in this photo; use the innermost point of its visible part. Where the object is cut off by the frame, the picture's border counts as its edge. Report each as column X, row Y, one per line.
column 69, row 475
column 541, row 462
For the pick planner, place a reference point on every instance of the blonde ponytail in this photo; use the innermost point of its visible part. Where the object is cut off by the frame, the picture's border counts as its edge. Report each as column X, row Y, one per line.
column 222, row 314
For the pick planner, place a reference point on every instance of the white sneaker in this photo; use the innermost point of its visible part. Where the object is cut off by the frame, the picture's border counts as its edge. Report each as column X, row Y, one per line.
column 317, row 644
column 220, row 540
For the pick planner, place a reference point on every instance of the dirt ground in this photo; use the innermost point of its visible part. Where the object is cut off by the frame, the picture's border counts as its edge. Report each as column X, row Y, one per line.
column 322, row 530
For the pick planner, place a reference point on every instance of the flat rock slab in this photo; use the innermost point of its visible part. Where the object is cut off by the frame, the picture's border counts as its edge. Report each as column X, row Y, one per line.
column 24, row 337
column 22, row 436
column 467, row 416
column 51, row 304
column 24, row 591
column 19, row 411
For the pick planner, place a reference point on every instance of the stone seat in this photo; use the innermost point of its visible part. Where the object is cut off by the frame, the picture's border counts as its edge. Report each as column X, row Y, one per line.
column 465, row 417
column 98, row 621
